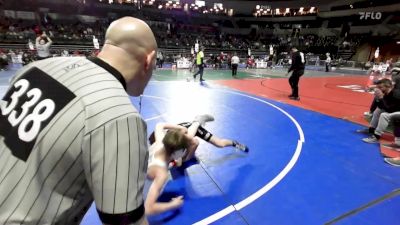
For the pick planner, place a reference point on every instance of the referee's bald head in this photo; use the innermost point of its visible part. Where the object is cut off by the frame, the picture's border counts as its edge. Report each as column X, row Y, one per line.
column 130, row 47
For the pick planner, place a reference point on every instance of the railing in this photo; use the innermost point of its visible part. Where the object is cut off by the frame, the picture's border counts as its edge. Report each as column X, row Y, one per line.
column 174, row 53
column 170, row 50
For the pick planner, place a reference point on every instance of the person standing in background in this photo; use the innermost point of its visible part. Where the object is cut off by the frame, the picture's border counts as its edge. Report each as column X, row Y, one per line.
column 327, row 62
column 200, row 64
column 43, row 47
column 298, row 65
column 235, row 63
column 161, row 60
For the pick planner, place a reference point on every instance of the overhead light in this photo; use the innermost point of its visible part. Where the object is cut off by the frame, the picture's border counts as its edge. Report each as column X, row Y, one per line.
column 258, row 7
column 351, row 6
column 398, row 42
column 160, row 6
column 312, row 9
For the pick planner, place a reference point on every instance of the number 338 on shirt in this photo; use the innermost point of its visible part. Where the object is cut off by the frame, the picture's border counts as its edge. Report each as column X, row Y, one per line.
column 29, row 105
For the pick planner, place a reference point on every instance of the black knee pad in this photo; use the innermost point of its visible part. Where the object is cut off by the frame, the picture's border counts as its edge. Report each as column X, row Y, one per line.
column 396, row 131
column 396, row 122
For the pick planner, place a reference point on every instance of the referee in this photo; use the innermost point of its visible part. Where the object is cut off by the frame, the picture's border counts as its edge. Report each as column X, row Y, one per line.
column 70, row 135
column 297, row 67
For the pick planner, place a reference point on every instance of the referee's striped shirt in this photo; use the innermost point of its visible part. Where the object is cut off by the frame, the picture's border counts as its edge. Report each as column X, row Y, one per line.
column 70, row 135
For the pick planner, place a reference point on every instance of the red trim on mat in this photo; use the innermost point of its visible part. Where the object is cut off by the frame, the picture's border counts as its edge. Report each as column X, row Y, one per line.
column 320, row 94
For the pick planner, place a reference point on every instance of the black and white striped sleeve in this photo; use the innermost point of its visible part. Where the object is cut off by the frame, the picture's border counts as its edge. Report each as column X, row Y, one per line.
column 115, row 163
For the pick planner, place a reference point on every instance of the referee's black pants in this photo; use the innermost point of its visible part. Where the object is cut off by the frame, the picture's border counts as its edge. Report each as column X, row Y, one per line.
column 234, row 69
column 294, row 82
column 201, row 69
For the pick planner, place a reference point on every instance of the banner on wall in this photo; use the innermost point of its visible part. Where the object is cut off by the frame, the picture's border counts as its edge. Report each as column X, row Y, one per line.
column 25, row 15
column 9, row 13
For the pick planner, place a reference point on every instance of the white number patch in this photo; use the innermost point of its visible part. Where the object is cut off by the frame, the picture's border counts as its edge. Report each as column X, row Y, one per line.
column 37, row 117
column 22, row 86
column 42, row 110
column 28, row 107
column 35, row 94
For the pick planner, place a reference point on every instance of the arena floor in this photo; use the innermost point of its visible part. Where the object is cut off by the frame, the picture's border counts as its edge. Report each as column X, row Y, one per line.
column 306, row 165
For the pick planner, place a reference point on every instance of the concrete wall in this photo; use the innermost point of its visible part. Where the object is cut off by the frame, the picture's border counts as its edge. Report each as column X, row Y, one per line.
column 362, row 53
column 387, row 51
column 390, row 50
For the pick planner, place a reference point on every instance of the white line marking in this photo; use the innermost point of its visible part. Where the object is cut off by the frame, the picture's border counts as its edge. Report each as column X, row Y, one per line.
column 160, row 115
column 155, row 117
column 272, row 183
column 217, row 215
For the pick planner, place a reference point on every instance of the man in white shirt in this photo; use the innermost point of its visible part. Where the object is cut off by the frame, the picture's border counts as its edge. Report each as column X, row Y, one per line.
column 43, row 47
column 235, row 63
column 65, row 53
column 327, row 62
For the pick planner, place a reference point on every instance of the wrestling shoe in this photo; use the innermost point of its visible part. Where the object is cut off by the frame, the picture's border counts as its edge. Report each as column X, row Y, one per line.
column 240, row 147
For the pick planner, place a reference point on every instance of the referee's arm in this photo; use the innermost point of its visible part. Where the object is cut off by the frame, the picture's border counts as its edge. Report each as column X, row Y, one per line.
column 115, row 163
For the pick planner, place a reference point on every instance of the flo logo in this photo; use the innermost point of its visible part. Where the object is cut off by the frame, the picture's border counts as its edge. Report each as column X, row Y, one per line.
column 370, row 15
